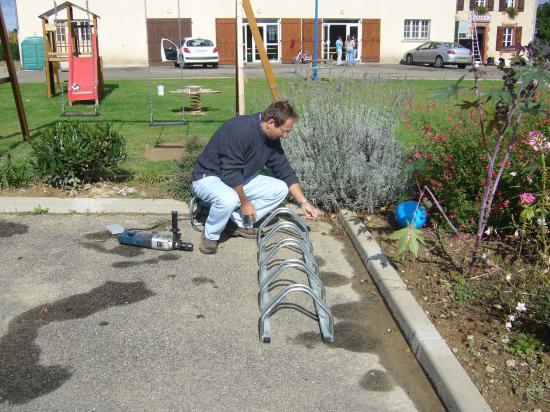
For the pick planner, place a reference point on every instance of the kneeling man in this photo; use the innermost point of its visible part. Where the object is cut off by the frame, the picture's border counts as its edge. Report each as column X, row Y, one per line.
column 226, row 174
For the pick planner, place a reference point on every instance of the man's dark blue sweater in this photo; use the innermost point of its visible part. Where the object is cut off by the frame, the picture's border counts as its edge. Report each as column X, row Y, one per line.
column 239, row 149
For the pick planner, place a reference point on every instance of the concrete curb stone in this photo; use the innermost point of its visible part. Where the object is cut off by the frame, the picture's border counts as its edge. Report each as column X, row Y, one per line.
column 450, row 381
column 90, row 205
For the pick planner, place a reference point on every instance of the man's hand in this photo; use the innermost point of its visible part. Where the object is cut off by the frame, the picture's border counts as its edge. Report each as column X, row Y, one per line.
column 248, row 211
column 310, row 211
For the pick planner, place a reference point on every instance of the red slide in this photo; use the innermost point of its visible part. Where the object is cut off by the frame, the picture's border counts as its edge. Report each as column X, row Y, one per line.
column 83, row 74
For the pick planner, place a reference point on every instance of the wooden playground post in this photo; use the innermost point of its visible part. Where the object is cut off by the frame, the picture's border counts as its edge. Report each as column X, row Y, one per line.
column 13, row 78
column 48, row 66
column 261, row 49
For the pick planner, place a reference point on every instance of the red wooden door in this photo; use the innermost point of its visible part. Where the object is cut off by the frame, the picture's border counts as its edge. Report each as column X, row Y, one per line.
column 291, row 43
column 168, row 29
column 371, row 40
column 226, row 40
column 308, row 32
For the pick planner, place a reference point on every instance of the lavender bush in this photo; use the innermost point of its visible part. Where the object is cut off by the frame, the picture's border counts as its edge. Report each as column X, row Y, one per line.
column 343, row 147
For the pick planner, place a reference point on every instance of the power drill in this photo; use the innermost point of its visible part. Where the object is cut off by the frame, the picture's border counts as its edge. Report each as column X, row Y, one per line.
column 153, row 240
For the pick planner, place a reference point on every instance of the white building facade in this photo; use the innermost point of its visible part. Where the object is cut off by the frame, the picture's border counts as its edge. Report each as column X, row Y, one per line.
column 130, row 31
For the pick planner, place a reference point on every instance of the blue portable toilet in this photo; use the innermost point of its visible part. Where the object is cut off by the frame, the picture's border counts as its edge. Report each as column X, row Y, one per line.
column 32, row 53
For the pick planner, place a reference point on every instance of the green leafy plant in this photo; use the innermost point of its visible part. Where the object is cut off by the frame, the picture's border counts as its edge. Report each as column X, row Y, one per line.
column 409, row 239
column 535, row 391
column 481, row 9
column 543, row 22
column 462, row 289
column 181, row 181
column 13, row 175
column 525, row 346
column 70, row 154
column 512, row 12
column 150, row 175
column 14, row 47
column 39, row 210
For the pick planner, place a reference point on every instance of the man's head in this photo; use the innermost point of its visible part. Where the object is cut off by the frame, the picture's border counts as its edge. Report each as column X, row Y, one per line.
column 278, row 120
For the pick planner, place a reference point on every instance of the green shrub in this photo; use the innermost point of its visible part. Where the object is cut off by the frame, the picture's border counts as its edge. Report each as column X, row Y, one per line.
column 70, row 154
column 150, row 175
column 14, row 175
column 452, row 162
column 526, row 346
column 343, row 147
column 14, row 46
column 181, row 181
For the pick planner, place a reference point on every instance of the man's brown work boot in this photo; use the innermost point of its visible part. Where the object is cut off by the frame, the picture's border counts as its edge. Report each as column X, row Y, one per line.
column 207, row 246
column 233, row 230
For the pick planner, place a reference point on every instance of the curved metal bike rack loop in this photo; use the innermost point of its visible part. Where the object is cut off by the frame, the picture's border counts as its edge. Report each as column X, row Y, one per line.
column 298, row 241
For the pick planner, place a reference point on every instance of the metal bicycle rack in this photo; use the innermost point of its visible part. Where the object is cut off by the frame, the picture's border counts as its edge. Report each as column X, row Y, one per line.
column 299, row 242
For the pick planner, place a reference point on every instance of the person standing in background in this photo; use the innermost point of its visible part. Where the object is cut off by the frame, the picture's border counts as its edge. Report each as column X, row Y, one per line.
column 339, row 46
column 349, row 51
column 354, row 50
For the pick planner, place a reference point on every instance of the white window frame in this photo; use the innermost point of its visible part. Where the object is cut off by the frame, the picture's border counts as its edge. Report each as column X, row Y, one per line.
column 510, row 3
column 508, row 34
column 416, row 29
column 481, row 3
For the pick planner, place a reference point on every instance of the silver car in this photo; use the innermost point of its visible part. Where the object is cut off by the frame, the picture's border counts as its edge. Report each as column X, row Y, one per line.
column 439, row 54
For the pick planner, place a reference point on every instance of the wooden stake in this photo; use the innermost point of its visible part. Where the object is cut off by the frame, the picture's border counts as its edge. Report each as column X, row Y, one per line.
column 261, row 50
column 13, row 78
column 240, row 60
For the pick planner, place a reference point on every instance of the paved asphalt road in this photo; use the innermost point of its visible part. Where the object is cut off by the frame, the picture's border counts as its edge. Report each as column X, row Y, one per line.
column 89, row 325
column 362, row 70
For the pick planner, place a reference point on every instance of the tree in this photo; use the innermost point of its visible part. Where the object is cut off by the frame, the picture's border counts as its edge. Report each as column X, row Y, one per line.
column 543, row 22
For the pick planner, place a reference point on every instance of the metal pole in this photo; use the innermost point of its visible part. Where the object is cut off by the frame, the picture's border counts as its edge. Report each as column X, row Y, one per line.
column 316, row 40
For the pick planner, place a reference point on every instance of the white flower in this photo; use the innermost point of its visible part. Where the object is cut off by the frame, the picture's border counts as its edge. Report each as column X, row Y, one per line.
column 126, row 191
column 488, row 231
column 521, row 307
column 511, row 318
column 508, row 278
column 513, row 174
column 508, row 325
column 516, row 234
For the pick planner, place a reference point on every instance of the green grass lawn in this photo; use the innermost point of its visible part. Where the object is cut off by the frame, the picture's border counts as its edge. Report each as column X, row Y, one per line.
column 126, row 104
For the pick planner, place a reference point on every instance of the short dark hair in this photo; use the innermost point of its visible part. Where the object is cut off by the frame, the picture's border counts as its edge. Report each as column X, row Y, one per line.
column 280, row 112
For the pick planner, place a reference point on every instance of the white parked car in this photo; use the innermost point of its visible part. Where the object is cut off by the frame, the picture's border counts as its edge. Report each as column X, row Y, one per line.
column 192, row 50
column 438, row 54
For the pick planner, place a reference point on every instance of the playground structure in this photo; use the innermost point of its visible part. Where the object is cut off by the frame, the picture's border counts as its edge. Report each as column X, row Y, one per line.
column 73, row 41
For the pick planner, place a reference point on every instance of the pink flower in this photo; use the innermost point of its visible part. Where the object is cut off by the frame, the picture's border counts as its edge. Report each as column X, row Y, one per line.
column 526, row 198
column 537, row 141
column 505, row 203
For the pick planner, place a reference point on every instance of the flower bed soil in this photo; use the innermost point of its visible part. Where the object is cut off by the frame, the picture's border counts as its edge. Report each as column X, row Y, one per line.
column 476, row 334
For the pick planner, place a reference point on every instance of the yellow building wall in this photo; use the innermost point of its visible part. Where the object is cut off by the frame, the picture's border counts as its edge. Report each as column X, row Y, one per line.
column 122, row 28
column 526, row 20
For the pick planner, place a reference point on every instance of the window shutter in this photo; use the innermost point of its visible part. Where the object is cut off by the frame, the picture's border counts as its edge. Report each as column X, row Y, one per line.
column 500, row 30
column 517, row 37
column 472, row 4
column 521, row 5
column 459, row 5
column 491, row 5
column 502, row 5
